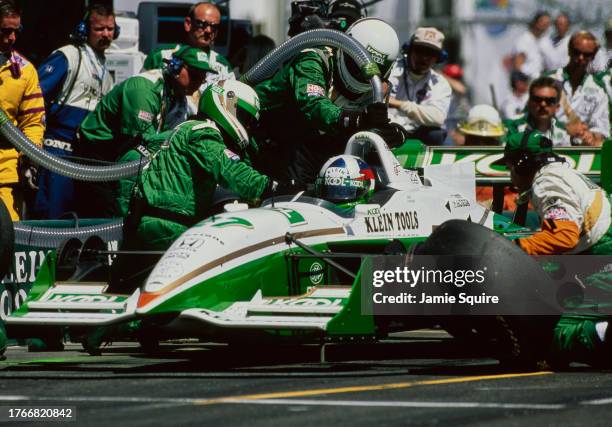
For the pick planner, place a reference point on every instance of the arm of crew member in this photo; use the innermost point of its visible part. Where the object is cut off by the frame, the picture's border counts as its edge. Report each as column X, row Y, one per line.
column 310, row 88
column 556, row 237
column 139, row 112
column 31, row 115
column 52, row 74
column 231, row 173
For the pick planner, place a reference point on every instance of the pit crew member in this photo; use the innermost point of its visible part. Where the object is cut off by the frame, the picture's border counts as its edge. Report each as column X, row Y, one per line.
column 318, row 99
column 73, row 80
column 201, row 25
column 136, row 109
column 22, row 101
column 576, row 219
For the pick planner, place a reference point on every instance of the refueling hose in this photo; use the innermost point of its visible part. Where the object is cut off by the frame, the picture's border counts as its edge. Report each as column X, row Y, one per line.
column 48, row 237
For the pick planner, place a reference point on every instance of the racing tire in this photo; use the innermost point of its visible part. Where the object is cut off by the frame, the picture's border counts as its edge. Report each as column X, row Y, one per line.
column 518, row 340
column 7, row 240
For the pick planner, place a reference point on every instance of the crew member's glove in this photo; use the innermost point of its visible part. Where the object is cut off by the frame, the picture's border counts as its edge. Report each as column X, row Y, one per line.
column 393, row 134
column 28, row 173
column 375, row 115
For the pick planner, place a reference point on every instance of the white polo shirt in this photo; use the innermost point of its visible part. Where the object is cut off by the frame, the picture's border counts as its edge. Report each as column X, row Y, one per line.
column 432, row 90
column 589, row 102
column 530, row 46
column 554, row 52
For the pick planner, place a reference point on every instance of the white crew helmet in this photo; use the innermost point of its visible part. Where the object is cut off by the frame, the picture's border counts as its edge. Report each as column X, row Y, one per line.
column 234, row 106
column 380, row 40
column 483, row 120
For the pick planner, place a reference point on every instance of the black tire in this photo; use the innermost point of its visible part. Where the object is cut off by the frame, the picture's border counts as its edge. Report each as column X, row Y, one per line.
column 523, row 339
column 7, row 240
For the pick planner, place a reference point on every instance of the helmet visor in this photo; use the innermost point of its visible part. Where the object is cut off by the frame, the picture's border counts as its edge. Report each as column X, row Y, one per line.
column 245, row 118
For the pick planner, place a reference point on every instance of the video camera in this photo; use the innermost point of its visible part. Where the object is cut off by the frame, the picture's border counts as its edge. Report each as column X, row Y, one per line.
column 312, row 14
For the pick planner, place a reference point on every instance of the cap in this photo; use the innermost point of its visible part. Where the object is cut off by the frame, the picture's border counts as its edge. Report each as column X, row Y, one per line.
column 521, row 144
column 428, row 36
column 194, row 58
column 483, row 120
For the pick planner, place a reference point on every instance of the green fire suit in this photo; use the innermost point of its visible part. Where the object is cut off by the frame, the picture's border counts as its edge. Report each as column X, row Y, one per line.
column 175, row 191
column 299, row 119
column 138, row 108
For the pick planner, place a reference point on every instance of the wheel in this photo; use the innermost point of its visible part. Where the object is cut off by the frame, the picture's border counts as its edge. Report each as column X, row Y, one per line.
column 7, row 240
column 68, row 254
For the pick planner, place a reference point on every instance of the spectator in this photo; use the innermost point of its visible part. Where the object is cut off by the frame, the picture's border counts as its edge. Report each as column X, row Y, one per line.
column 139, row 107
column 459, row 105
column 201, row 28
column 554, row 48
column 420, row 96
column 543, row 104
column 603, row 58
column 527, row 51
column 22, row 101
column 513, row 106
column 584, row 102
column 73, row 80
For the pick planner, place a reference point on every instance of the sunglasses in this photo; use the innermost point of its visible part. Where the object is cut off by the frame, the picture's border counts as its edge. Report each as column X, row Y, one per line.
column 8, row 31
column 202, row 25
column 538, row 99
column 578, row 52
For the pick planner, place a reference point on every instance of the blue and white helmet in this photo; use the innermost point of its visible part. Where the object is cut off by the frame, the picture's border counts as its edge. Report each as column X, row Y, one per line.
column 345, row 179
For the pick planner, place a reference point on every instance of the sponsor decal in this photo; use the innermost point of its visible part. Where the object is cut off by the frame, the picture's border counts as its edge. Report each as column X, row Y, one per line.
column 377, row 56
column 49, row 69
column 314, row 90
column 557, row 214
column 231, row 155
column 294, row 217
column 190, row 243
column 316, row 267
column 145, row 115
column 305, row 302
column 10, row 302
column 26, row 264
column 392, row 221
column 202, row 56
column 80, row 298
column 457, row 202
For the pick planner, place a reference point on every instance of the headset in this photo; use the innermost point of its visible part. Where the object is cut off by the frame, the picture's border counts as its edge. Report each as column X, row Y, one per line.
column 81, row 32
column 407, row 47
column 174, row 65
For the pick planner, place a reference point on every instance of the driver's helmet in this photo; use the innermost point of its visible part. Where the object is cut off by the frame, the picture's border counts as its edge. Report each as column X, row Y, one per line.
column 345, row 180
column 381, row 42
column 232, row 105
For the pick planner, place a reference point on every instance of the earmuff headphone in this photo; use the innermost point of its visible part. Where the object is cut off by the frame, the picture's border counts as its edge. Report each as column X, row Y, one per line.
column 174, row 65
column 81, row 32
column 407, row 47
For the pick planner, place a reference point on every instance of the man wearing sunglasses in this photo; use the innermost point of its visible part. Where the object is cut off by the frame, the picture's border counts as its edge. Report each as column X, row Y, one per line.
column 584, row 102
column 22, row 101
column 542, row 105
column 201, row 28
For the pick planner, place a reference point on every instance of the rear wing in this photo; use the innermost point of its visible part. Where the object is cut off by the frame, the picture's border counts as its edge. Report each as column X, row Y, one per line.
column 588, row 160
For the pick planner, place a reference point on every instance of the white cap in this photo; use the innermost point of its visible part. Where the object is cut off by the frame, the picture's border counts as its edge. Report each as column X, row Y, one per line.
column 428, row 36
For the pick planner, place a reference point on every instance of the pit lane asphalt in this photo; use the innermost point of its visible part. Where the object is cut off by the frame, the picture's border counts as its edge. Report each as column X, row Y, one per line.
column 420, row 378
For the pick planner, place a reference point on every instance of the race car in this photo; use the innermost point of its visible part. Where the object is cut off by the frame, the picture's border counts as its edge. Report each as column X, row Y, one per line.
column 287, row 269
